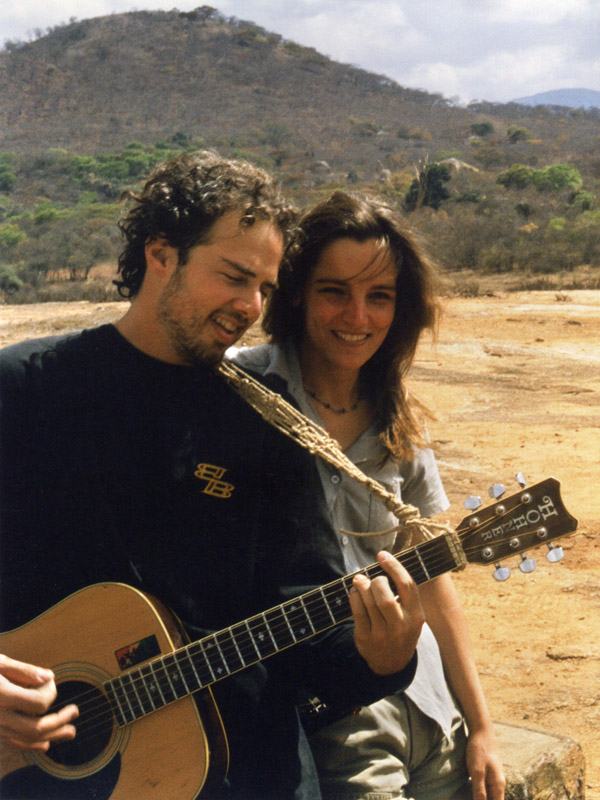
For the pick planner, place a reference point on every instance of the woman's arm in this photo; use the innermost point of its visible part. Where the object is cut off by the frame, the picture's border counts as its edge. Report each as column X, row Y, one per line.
column 446, row 619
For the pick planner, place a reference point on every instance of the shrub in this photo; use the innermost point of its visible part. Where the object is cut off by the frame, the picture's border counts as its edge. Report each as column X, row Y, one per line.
column 517, row 134
column 556, row 177
column 428, row 189
column 583, row 200
column 482, row 128
column 516, row 177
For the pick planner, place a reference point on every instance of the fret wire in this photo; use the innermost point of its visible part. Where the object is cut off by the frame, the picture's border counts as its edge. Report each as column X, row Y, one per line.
column 111, row 688
column 215, row 653
column 167, row 687
column 121, row 681
column 252, row 639
column 177, row 656
column 221, row 653
column 227, row 653
column 327, row 605
column 295, row 615
column 150, row 687
column 285, row 616
column 137, row 694
column 200, row 662
column 307, row 615
column 206, row 658
column 168, row 674
column 193, row 666
column 281, row 624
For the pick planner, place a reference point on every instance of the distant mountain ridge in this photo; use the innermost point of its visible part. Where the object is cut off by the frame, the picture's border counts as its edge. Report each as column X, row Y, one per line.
column 570, row 98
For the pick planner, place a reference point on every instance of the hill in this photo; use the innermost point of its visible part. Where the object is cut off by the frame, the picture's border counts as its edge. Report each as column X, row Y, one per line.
column 98, row 84
column 88, row 109
column 571, row 98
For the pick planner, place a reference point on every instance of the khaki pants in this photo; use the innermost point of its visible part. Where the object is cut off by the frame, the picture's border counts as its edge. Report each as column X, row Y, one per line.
column 391, row 750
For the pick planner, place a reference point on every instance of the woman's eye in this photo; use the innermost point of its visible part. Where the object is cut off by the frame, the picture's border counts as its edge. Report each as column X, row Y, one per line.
column 382, row 296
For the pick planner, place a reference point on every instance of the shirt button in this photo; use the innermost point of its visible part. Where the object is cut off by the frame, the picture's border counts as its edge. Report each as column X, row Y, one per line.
column 335, row 478
column 344, row 540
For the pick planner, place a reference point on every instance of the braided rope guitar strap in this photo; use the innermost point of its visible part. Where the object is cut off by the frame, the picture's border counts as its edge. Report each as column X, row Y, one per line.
column 412, row 528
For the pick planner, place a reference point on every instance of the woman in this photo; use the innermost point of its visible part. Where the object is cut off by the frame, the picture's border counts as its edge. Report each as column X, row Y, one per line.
column 355, row 293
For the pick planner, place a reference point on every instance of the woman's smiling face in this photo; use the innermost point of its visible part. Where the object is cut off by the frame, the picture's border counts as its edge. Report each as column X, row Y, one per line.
column 349, row 304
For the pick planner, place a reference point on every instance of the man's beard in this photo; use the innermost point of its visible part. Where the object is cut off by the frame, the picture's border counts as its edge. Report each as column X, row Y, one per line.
column 189, row 346
column 189, row 335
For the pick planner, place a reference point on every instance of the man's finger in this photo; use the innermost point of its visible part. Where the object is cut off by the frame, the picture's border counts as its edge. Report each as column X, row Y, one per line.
column 25, row 674
column 407, row 589
column 28, row 700
column 30, row 729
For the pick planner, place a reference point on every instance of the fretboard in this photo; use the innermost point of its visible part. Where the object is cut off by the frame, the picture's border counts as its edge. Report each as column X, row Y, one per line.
column 163, row 680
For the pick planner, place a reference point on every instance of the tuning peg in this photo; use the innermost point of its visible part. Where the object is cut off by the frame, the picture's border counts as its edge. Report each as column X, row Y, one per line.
column 527, row 564
column 501, row 573
column 496, row 491
column 520, row 479
column 555, row 553
column 472, row 503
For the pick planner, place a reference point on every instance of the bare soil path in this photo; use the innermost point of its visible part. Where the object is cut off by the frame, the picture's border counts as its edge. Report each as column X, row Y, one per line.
column 514, row 380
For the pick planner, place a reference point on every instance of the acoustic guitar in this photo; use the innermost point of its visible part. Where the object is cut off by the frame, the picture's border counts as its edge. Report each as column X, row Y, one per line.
column 148, row 726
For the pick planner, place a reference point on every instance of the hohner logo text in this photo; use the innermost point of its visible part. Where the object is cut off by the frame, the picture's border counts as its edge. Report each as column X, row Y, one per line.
column 528, row 519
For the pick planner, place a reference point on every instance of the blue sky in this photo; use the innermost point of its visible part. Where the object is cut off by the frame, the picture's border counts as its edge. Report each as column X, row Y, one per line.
column 495, row 50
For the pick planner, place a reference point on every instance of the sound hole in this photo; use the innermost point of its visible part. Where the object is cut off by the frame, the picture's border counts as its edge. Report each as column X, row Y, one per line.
column 94, row 724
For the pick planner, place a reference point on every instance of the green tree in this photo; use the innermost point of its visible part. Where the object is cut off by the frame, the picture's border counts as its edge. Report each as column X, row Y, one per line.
column 517, row 134
column 429, row 188
column 516, row 177
column 583, row 200
column 557, row 176
column 482, row 128
column 7, row 178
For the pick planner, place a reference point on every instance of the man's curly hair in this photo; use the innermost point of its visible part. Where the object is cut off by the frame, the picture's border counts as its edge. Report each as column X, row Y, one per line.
column 181, row 201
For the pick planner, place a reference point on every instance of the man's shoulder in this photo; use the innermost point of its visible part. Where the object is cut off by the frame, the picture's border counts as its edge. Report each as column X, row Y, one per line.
column 36, row 356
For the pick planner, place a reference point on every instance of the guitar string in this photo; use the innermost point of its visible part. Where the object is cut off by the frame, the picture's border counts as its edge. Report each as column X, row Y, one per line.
column 314, row 608
column 251, row 651
column 319, row 615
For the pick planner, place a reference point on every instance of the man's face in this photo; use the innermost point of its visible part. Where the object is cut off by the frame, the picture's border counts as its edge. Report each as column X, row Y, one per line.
column 209, row 302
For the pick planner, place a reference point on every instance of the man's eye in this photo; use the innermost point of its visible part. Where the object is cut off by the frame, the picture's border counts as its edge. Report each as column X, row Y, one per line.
column 233, row 278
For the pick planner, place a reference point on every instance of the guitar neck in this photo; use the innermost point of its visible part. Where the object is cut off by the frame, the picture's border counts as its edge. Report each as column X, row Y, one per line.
column 142, row 690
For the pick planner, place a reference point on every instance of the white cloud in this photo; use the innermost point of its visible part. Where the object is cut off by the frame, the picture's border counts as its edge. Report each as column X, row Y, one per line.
column 542, row 12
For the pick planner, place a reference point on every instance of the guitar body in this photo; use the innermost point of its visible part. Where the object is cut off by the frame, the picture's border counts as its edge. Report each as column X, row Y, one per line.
column 89, row 637
column 119, row 655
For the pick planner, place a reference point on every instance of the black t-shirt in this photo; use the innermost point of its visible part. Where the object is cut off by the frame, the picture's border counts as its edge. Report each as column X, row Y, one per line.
column 118, row 467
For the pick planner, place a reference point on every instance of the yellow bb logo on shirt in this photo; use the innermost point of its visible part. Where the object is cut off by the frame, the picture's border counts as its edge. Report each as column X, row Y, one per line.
column 212, row 475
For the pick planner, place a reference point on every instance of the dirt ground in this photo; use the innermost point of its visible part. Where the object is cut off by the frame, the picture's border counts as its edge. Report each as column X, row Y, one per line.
column 514, row 380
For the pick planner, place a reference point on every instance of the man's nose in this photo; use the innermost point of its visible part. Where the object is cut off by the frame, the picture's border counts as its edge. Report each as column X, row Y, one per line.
column 249, row 303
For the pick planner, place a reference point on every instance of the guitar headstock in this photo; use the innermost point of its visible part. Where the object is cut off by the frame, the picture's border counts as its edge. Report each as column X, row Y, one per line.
column 533, row 516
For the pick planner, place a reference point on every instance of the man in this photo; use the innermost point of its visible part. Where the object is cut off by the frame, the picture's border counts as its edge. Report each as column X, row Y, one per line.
column 126, row 458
